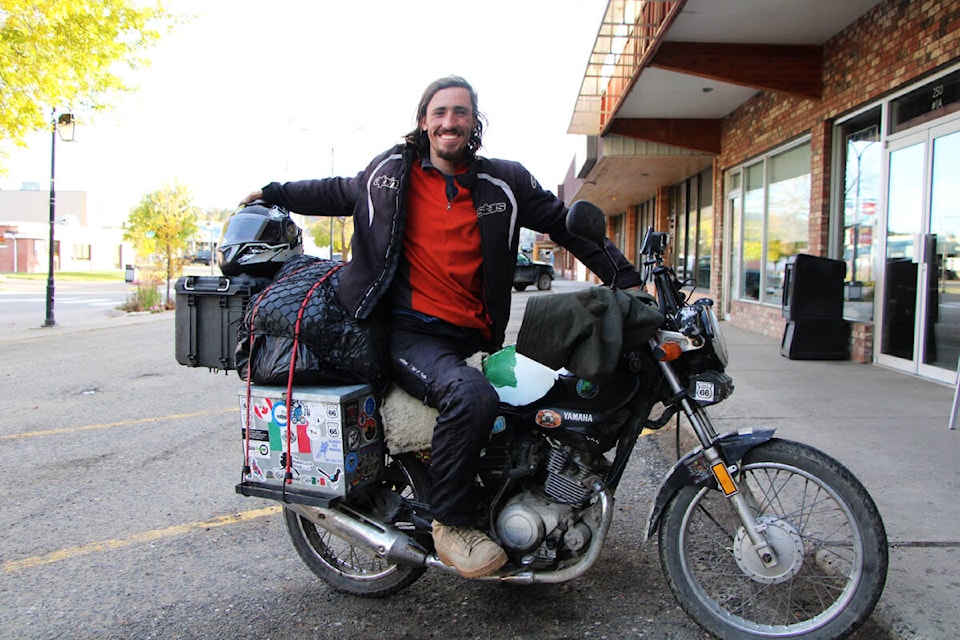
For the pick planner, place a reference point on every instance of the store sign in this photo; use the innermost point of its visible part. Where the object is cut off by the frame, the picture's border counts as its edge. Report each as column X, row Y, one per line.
column 940, row 97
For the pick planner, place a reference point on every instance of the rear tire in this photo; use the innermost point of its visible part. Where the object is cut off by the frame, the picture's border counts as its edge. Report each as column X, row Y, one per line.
column 519, row 287
column 353, row 569
column 544, row 282
column 824, row 527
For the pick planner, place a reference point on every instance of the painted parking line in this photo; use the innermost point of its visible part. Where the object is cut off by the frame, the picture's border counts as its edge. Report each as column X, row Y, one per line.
column 137, row 538
column 85, row 301
column 109, row 425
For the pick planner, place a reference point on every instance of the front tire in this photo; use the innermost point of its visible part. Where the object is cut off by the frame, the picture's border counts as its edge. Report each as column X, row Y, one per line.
column 824, row 527
column 354, row 569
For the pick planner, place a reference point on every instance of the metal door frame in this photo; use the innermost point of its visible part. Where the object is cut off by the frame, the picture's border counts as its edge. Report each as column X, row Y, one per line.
column 926, row 137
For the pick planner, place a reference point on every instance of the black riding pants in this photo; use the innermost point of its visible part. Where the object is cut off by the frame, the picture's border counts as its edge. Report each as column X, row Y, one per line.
column 428, row 359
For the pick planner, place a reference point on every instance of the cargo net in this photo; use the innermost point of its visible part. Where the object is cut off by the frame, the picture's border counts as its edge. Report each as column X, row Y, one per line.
column 332, row 347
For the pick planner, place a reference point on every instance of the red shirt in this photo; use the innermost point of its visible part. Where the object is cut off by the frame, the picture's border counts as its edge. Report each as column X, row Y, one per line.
column 441, row 247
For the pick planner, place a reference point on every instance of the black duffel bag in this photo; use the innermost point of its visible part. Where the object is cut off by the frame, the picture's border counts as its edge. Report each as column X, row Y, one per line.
column 331, row 347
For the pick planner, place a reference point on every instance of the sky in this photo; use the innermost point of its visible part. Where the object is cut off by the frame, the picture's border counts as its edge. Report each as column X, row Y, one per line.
column 250, row 92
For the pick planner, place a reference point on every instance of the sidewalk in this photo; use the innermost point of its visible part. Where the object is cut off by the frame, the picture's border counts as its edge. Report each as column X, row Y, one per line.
column 891, row 430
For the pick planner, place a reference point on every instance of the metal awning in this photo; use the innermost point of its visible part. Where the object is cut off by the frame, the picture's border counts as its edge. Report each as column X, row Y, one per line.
column 626, row 38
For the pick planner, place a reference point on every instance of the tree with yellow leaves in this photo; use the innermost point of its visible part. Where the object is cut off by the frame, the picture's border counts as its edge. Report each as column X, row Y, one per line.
column 59, row 53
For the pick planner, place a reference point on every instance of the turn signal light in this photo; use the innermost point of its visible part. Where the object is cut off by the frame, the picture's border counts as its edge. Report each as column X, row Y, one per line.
column 668, row 351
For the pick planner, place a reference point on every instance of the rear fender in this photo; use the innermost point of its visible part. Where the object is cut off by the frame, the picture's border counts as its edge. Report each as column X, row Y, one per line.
column 693, row 468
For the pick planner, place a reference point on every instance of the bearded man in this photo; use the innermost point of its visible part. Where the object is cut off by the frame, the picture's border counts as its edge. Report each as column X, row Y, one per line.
column 436, row 234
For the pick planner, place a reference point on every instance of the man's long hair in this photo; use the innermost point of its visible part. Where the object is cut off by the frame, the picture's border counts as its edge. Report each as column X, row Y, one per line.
column 418, row 137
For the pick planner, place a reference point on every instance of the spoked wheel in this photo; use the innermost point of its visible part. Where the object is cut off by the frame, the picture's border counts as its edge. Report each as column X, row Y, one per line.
column 354, row 569
column 824, row 528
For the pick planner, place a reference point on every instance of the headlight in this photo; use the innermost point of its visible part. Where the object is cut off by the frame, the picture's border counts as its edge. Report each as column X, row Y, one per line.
column 712, row 328
column 698, row 322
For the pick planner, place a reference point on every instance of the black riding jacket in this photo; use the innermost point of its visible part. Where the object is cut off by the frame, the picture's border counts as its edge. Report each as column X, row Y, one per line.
column 505, row 195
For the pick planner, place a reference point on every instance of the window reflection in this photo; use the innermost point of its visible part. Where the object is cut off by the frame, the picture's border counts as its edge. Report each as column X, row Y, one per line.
column 861, row 182
column 752, row 232
column 788, row 216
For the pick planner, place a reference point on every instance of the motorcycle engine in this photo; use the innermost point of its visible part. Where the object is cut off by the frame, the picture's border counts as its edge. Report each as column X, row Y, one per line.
column 542, row 526
column 526, row 520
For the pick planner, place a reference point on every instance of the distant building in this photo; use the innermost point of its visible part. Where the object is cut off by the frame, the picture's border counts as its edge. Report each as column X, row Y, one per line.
column 78, row 244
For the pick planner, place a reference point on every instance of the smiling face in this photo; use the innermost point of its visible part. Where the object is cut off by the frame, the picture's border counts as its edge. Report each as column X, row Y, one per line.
column 449, row 121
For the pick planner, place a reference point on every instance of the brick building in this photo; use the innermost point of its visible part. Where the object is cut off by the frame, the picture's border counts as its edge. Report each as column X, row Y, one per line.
column 757, row 130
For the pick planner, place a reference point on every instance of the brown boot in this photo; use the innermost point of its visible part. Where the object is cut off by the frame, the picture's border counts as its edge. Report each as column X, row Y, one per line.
column 467, row 550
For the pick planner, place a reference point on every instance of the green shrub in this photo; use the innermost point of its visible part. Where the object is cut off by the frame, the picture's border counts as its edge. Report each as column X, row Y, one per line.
column 147, row 296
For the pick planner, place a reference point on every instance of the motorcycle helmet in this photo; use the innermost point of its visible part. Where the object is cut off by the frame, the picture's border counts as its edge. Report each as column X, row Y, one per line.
column 257, row 239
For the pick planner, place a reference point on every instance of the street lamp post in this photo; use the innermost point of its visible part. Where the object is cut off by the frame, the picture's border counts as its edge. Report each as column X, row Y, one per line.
column 213, row 257
column 65, row 124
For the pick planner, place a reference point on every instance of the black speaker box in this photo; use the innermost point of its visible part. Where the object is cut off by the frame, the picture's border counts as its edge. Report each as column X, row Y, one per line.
column 813, row 288
column 815, row 340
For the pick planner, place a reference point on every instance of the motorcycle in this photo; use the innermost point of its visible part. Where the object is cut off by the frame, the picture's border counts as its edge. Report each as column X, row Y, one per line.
column 759, row 537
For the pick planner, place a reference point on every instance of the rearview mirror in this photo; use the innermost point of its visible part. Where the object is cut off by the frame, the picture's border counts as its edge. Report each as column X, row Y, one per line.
column 654, row 243
column 585, row 220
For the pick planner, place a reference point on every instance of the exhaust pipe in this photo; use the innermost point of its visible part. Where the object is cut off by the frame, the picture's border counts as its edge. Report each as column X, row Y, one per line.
column 396, row 547
column 362, row 531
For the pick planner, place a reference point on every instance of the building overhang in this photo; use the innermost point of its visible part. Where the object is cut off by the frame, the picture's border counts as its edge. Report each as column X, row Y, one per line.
column 668, row 72
column 623, row 171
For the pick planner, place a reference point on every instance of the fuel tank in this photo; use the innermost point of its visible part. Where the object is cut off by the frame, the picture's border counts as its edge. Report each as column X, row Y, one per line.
column 572, row 410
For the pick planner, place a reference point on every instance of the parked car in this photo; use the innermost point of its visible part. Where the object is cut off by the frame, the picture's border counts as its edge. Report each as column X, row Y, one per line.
column 202, row 256
column 527, row 272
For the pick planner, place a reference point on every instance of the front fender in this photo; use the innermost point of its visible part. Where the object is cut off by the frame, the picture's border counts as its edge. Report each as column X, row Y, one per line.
column 693, row 469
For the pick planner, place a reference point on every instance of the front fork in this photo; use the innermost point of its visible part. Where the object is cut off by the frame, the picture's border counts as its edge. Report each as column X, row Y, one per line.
column 708, row 436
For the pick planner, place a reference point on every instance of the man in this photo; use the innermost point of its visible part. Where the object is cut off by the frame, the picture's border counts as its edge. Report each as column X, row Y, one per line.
column 436, row 231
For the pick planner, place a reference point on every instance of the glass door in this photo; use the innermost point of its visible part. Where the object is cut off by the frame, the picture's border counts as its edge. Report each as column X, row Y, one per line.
column 940, row 347
column 898, row 326
column 920, row 305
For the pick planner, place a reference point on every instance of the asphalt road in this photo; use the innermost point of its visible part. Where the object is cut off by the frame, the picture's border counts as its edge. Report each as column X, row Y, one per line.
column 121, row 520
column 24, row 302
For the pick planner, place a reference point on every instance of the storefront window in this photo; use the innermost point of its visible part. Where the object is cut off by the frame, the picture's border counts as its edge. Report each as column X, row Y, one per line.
column 645, row 220
column 692, row 229
column 732, row 253
column 681, row 231
column 617, row 236
column 788, row 216
column 752, row 232
column 772, row 227
column 705, row 232
column 861, row 196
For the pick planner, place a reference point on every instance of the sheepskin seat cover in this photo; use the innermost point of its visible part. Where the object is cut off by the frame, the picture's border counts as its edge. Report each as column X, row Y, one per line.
column 407, row 422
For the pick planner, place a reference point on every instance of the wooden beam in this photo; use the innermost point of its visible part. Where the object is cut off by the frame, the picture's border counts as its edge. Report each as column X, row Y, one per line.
column 791, row 69
column 692, row 133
